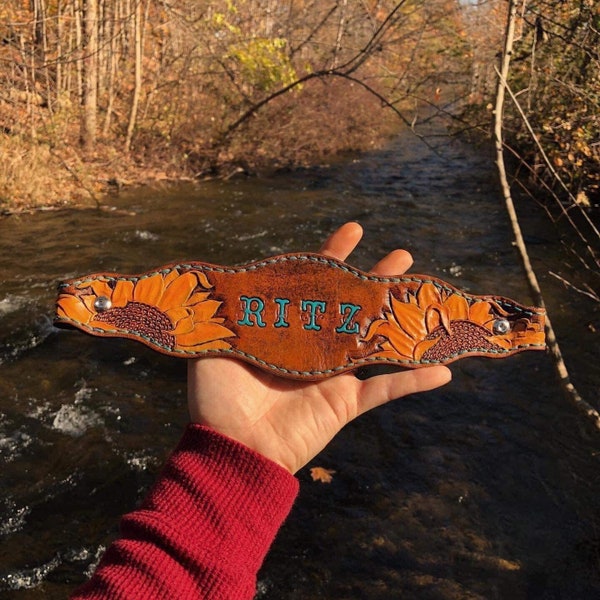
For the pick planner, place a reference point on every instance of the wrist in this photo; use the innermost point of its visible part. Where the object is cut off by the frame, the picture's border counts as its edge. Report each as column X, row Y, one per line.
column 265, row 447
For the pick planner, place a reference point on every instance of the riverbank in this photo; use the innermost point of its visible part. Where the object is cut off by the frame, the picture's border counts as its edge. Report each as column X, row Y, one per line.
column 45, row 175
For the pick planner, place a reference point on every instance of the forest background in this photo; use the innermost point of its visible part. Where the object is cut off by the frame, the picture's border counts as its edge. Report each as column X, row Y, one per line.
column 95, row 94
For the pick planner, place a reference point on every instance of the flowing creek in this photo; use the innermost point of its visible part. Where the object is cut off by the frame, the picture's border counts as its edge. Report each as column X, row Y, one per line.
column 487, row 488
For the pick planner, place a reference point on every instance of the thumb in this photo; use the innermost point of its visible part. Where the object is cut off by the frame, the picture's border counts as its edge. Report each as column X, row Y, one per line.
column 382, row 388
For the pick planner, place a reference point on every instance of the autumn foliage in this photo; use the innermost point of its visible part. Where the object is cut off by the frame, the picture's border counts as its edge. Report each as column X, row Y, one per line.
column 556, row 87
column 97, row 92
column 126, row 90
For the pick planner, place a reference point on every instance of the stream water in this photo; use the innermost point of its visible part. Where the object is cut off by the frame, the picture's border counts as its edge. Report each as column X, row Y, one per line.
column 485, row 489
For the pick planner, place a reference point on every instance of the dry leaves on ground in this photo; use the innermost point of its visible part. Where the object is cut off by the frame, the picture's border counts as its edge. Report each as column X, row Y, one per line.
column 321, row 474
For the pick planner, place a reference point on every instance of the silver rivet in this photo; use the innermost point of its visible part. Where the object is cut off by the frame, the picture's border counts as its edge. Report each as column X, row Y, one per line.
column 501, row 326
column 102, row 303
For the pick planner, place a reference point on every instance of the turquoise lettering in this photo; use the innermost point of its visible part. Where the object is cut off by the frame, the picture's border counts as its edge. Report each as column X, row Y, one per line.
column 281, row 312
column 253, row 314
column 348, row 311
column 314, row 307
column 252, row 307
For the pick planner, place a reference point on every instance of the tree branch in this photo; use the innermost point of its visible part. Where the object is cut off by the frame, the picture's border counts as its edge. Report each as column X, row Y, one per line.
column 345, row 70
column 568, row 388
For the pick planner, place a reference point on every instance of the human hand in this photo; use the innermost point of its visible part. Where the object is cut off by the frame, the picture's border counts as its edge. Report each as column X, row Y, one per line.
column 291, row 421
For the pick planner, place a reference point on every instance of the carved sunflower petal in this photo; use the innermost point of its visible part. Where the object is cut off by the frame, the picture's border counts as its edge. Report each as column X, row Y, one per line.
column 169, row 277
column 509, row 341
column 396, row 306
column 88, row 301
column 122, row 293
column 99, row 287
column 428, row 294
column 387, row 347
column 401, row 342
column 504, row 341
column 410, row 317
column 70, row 307
column 183, row 327
column 178, row 291
column 148, row 290
column 374, row 329
column 433, row 318
column 422, row 347
column 203, row 280
column 479, row 312
column 196, row 298
column 457, row 307
column 389, row 354
column 203, row 311
column 538, row 338
column 182, row 319
column 499, row 309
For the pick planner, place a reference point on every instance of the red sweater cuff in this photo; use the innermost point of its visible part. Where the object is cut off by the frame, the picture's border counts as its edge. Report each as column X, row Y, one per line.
column 204, row 529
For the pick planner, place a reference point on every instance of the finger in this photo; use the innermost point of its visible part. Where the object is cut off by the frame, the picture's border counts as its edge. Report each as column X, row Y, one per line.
column 395, row 263
column 383, row 388
column 341, row 242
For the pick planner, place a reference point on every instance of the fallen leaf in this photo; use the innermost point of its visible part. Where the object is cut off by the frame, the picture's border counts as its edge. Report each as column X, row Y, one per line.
column 321, row 474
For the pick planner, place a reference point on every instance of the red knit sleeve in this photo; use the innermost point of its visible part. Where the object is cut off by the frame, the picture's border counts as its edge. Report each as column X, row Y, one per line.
column 203, row 530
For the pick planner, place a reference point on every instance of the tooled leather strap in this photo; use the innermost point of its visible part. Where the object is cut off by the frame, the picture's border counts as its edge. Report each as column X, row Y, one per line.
column 299, row 315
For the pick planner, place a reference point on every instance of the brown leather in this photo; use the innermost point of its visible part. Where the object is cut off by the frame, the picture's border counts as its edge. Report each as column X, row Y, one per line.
column 303, row 316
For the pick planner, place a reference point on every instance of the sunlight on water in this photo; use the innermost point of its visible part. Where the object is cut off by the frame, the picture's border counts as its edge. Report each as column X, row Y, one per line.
column 13, row 443
column 14, row 519
column 75, row 420
column 30, row 578
column 11, row 304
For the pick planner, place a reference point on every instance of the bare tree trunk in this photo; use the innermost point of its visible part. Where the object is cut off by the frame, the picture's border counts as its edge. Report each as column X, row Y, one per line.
column 78, row 15
column 112, row 68
column 137, row 90
column 39, row 24
column 269, row 17
column 27, row 82
column 59, row 51
column 70, row 66
column 90, row 63
column 340, row 33
column 40, row 50
column 559, row 364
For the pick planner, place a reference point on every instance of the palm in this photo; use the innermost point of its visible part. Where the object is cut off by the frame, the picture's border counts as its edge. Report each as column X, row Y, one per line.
column 291, row 421
column 281, row 418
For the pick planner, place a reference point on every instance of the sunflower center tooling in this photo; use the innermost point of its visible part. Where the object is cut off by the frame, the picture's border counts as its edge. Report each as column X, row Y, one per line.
column 146, row 321
column 304, row 316
column 464, row 334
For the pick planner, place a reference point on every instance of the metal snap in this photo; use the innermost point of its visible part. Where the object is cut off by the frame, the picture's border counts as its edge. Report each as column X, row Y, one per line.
column 501, row 326
column 102, row 303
